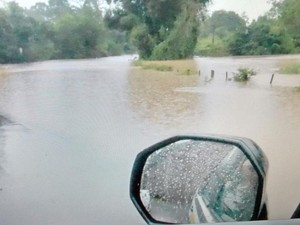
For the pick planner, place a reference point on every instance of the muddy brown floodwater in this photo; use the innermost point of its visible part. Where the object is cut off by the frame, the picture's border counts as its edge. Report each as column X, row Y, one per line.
column 73, row 129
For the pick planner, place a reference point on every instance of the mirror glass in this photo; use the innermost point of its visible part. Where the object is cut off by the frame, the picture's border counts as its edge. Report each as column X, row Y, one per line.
column 192, row 181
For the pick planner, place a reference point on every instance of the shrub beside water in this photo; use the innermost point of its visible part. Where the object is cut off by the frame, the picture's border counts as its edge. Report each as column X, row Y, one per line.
column 244, row 74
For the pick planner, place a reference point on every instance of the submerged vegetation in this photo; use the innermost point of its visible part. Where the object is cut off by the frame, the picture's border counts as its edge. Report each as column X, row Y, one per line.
column 177, row 67
column 152, row 66
column 290, row 67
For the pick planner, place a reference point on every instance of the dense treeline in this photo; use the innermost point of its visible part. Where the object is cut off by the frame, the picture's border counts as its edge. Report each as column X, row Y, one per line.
column 277, row 32
column 60, row 29
column 158, row 29
column 57, row 30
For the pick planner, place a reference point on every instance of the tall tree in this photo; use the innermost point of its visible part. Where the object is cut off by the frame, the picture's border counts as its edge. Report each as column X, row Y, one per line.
column 161, row 25
column 8, row 50
column 261, row 38
column 39, row 11
column 78, row 35
column 22, row 27
column 225, row 22
column 58, row 8
column 289, row 15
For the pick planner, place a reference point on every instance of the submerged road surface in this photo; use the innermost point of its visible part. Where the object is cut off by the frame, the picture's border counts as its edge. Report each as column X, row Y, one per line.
column 77, row 125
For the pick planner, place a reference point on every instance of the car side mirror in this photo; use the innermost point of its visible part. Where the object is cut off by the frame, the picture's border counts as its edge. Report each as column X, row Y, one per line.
column 199, row 179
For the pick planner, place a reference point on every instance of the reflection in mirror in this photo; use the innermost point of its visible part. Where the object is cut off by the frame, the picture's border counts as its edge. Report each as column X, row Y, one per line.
column 192, row 181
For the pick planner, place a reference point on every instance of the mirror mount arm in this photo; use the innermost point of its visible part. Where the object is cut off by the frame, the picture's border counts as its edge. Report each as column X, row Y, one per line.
column 296, row 214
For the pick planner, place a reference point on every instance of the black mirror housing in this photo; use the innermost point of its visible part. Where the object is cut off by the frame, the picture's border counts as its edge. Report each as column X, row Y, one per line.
column 245, row 146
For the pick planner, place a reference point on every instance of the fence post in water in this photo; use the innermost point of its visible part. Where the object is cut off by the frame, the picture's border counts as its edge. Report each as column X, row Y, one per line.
column 271, row 81
column 212, row 74
column 199, row 72
column 226, row 76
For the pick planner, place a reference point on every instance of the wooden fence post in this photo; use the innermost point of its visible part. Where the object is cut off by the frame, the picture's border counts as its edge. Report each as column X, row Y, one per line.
column 271, row 81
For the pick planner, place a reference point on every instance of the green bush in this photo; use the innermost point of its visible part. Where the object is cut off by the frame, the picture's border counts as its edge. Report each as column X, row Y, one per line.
column 244, row 74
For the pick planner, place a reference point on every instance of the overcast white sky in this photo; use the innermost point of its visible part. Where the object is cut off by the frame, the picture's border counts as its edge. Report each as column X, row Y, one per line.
column 252, row 8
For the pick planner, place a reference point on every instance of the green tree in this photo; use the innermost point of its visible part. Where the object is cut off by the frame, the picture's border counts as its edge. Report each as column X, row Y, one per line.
column 217, row 31
column 41, row 46
column 224, row 23
column 288, row 12
column 39, row 11
column 262, row 37
column 176, row 45
column 58, row 8
column 22, row 28
column 79, row 35
column 60, row 29
column 8, row 50
column 159, row 26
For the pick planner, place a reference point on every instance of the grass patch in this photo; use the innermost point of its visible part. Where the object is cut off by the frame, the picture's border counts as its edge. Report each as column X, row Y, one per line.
column 178, row 67
column 137, row 63
column 290, row 67
column 297, row 89
column 2, row 71
column 157, row 67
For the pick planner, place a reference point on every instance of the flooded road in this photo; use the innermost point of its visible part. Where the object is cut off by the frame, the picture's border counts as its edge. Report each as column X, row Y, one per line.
column 73, row 129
